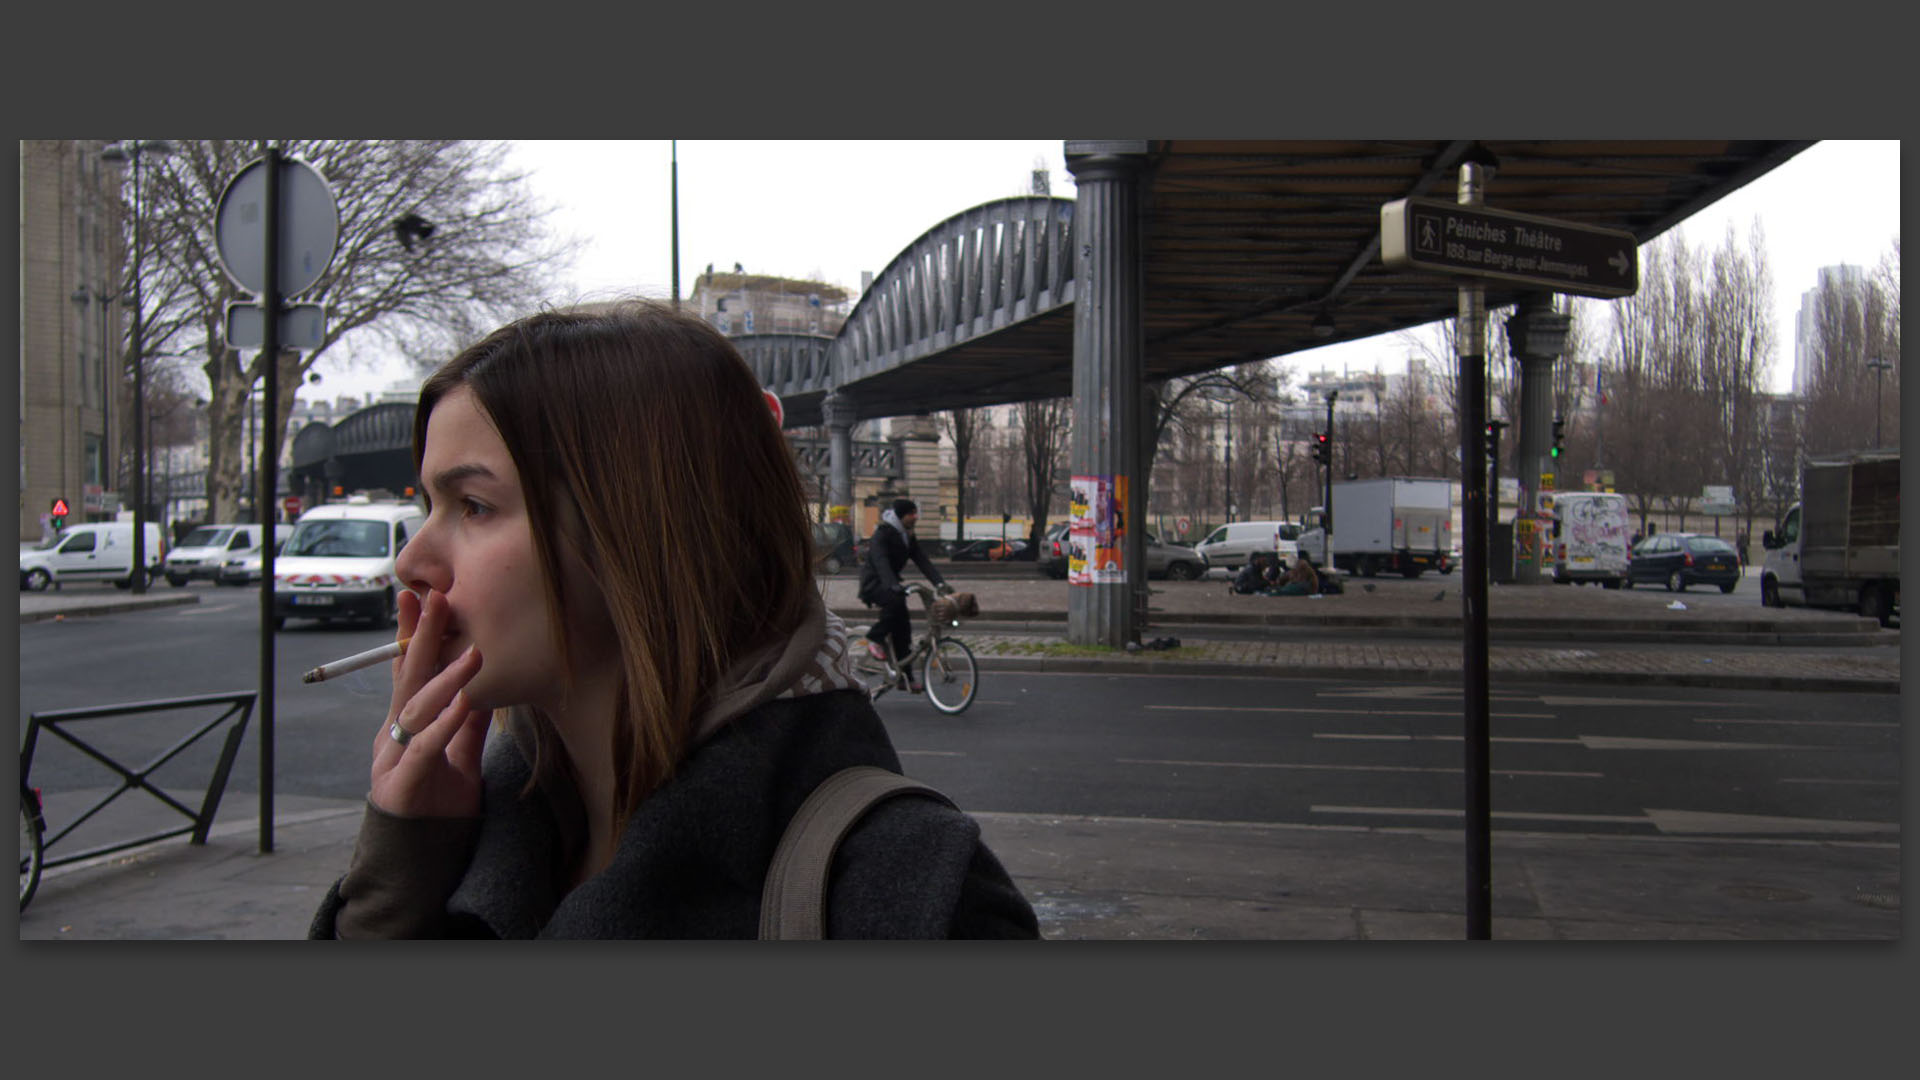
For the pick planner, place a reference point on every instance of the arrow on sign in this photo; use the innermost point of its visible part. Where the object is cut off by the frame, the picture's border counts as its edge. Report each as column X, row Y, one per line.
column 1619, row 262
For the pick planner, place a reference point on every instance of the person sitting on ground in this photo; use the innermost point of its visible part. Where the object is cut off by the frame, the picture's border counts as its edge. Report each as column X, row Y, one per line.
column 1258, row 575
column 1301, row 580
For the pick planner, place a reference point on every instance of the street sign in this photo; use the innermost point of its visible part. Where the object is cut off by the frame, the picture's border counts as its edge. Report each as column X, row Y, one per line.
column 60, row 508
column 773, row 402
column 292, row 506
column 1548, row 253
column 1183, row 524
column 302, row 326
column 309, row 226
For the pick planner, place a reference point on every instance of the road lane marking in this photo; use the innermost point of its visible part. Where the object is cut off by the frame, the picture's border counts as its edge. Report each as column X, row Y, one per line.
column 1701, row 821
column 1826, row 780
column 1346, row 768
column 1440, row 738
column 931, row 753
column 1013, row 819
column 1801, row 723
column 1658, row 702
column 1417, row 693
column 1504, row 815
column 1614, row 742
column 1452, row 714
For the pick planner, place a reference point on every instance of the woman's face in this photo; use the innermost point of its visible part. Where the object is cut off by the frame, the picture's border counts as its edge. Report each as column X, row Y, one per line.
column 477, row 550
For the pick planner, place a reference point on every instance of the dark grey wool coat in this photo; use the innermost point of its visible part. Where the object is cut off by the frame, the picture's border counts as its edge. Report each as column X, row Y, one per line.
column 692, row 859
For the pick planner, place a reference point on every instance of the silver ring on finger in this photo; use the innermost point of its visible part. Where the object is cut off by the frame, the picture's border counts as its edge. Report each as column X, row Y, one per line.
column 399, row 734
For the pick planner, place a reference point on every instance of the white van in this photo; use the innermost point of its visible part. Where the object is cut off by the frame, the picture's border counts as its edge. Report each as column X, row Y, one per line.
column 338, row 564
column 202, row 553
column 1230, row 545
column 1590, row 536
column 96, row 551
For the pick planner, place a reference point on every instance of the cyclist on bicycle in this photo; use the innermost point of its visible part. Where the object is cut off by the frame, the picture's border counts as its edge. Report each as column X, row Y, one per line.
column 880, row 585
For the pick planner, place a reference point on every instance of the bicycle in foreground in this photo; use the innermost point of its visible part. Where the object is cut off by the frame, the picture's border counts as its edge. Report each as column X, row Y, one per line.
column 945, row 663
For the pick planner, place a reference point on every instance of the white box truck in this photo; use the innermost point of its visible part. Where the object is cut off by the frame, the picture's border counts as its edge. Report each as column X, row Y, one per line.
column 1839, row 546
column 1391, row 524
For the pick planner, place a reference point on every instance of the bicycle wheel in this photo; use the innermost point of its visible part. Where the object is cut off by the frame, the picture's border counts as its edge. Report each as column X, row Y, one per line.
column 951, row 676
column 30, row 851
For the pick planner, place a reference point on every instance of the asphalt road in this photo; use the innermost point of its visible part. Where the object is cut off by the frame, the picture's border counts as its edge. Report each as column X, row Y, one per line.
column 1355, row 752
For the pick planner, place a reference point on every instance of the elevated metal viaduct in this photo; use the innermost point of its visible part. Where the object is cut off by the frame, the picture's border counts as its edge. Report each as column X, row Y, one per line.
column 1179, row 257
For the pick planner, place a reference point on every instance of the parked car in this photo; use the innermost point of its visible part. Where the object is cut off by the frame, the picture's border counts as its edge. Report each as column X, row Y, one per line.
column 1678, row 560
column 987, row 550
column 1230, row 545
column 246, row 567
column 205, row 552
column 833, row 546
column 1172, row 561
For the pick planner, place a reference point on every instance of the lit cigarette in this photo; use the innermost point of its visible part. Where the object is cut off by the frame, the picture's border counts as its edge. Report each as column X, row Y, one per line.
column 357, row 661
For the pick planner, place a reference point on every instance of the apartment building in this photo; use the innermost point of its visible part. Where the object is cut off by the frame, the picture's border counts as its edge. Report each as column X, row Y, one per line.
column 72, row 322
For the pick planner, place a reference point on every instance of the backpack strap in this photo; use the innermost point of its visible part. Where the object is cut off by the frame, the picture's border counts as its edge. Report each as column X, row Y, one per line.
column 793, row 902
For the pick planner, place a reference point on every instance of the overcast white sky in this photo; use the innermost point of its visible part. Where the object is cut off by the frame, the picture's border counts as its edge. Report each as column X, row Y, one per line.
column 830, row 210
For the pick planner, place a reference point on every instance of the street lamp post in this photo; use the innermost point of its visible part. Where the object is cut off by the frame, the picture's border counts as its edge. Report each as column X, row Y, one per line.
column 1880, row 368
column 1226, row 477
column 132, row 150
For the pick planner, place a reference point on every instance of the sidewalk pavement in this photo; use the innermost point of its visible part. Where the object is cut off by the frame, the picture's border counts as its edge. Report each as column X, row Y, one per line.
column 1106, row 878
column 1124, row 878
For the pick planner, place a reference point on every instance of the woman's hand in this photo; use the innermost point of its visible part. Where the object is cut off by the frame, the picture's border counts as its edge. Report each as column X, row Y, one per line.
column 437, row 773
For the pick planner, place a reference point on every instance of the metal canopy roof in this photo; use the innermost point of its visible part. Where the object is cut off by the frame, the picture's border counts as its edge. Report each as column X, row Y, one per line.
column 1246, row 242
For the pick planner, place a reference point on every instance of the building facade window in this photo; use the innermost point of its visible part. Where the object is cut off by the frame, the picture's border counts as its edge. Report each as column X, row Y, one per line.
column 94, row 461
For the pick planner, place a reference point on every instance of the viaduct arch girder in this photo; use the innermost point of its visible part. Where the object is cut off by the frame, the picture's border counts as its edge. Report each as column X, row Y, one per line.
column 1245, row 244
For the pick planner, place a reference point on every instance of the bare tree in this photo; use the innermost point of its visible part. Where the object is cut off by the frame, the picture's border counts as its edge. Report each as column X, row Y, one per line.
column 483, row 257
column 962, row 426
column 1855, row 324
column 1044, row 426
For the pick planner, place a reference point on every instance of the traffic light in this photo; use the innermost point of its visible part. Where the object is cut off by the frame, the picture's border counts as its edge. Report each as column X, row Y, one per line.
column 1559, row 435
column 58, row 515
column 1322, row 448
column 1493, row 437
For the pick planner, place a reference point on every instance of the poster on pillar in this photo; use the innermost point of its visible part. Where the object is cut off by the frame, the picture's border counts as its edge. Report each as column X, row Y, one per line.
column 1110, row 530
column 1547, row 518
column 841, row 514
column 1080, row 531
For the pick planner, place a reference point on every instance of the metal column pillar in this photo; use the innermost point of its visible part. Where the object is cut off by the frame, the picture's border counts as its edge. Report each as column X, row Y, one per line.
column 1536, row 334
column 838, row 412
column 1470, row 352
column 1108, row 343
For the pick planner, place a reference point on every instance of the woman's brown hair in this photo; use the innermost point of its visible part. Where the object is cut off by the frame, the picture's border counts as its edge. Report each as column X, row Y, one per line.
column 643, row 441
